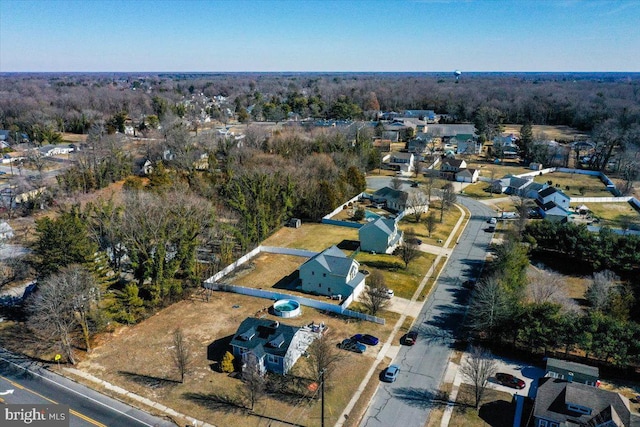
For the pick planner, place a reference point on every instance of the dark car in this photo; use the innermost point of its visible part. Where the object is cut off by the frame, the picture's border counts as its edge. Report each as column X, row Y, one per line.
column 410, row 338
column 391, row 373
column 414, row 241
column 366, row 339
column 351, row 345
column 509, row 380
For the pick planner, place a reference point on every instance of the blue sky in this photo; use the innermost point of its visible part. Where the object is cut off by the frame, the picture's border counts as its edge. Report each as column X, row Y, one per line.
column 319, row 35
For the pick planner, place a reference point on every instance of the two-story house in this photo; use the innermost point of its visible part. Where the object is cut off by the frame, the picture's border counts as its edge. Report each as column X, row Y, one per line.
column 380, row 236
column 331, row 272
column 392, row 198
column 449, row 167
column 273, row 346
column 562, row 403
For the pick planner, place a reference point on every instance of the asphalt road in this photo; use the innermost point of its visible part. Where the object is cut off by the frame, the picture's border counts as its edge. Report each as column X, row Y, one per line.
column 31, row 383
column 408, row 401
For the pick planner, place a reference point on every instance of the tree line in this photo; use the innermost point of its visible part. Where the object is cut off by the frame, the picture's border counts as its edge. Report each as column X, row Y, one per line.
column 516, row 307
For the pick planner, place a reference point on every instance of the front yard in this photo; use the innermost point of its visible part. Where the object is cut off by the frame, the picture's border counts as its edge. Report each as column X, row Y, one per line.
column 139, row 359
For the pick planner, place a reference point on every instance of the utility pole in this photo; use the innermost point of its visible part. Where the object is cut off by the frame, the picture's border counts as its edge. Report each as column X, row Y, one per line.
column 322, row 398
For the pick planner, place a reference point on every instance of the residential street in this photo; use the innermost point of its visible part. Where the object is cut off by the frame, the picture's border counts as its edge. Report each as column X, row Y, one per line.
column 408, row 401
column 31, row 383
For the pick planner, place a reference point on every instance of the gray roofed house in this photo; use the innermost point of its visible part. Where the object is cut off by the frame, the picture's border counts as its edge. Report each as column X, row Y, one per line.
column 331, row 272
column 274, row 346
column 552, row 194
column 448, row 130
column 514, row 185
column 380, row 236
column 562, row 403
column 572, row 371
column 394, row 199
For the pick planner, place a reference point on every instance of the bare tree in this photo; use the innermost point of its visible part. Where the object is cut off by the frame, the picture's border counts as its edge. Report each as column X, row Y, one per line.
column 448, row 198
column 431, row 223
column 489, row 307
column 181, row 353
column 417, row 202
column 374, row 297
column 323, row 356
column 60, row 306
column 396, row 183
column 254, row 380
column 547, row 286
column 600, row 289
column 478, row 367
column 522, row 205
column 408, row 249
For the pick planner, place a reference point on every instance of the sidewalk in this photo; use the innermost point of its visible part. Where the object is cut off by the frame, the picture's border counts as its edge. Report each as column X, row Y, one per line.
column 389, row 350
column 143, row 400
column 454, row 376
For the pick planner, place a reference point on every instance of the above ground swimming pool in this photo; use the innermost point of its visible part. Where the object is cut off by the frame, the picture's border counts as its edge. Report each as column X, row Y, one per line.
column 286, row 308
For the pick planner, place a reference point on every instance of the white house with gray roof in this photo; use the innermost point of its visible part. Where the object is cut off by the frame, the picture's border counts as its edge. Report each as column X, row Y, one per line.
column 331, row 272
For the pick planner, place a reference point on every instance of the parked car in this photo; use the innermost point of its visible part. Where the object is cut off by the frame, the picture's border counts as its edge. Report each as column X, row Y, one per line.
column 492, row 221
column 351, row 345
column 366, row 339
column 509, row 380
column 386, row 292
column 411, row 338
column 391, row 373
column 414, row 241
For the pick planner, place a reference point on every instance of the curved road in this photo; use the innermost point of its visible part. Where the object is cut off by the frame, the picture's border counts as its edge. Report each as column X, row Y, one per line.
column 32, row 384
column 408, row 401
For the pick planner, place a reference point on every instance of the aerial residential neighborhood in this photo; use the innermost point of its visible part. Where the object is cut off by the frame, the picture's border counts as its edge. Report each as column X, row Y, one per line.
column 310, row 214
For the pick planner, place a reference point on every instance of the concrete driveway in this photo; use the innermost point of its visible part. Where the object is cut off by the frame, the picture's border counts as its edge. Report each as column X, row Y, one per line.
column 526, row 372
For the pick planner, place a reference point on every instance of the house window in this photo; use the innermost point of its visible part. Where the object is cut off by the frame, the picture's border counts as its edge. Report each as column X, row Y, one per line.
column 329, row 290
column 313, row 273
column 578, row 408
column 324, row 274
column 272, row 359
column 319, row 285
column 543, row 423
column 552, row 424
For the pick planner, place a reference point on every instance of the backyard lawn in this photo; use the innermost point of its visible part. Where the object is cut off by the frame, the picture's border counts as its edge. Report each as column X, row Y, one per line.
column 496, row 409
column 575, row 184
column 311, row 236
column 614, row 215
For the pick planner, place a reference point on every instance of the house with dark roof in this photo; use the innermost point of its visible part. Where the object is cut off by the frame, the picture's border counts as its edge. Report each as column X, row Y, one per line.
column 393, row 199
column 572, row 371
column 466, row 144
column 553, row 204
column 561, row 403
column 380, row 236
column 331, row 272
column 517, row 186
column 424, row 115
column 552, row 194
column 274, row 346
column 450, row 166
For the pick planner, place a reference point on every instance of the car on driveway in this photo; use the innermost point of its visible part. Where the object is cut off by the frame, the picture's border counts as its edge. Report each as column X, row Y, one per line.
column 391, row 373
column 351, row 345
column 366, row 339
column 509, row 380
column 410, row 338
column 414, row 241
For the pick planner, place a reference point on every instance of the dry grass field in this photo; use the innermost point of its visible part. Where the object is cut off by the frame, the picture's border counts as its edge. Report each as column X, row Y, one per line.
column 138, row 359
column 575, row 184
column 615, row 215
column 311, row 236
column 557, row 133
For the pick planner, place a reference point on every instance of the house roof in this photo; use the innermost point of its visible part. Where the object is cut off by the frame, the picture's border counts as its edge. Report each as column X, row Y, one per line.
column 263, row 336
column 334, row 261
column 450, row 129
column 466, row 172
column 554, row 395
column 388, row 226
column 563, row 365
column 403, row 156
column 456, row 163
column 549, row 191
column 463, row 137
column 389, row 193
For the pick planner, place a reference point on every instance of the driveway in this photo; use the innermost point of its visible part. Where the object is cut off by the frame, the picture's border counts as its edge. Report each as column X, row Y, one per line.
column 526, row 372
